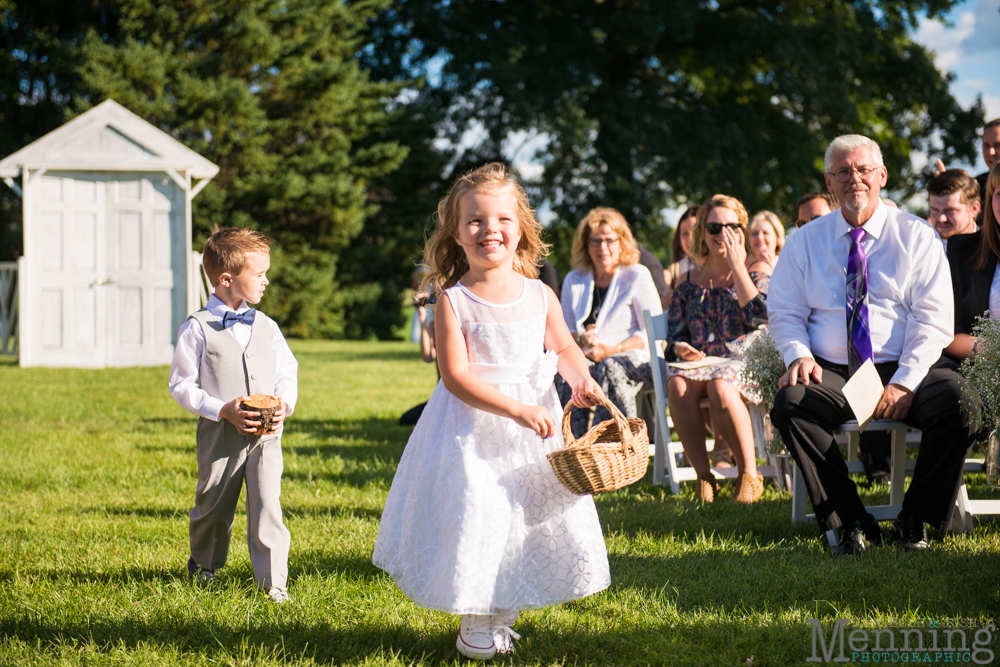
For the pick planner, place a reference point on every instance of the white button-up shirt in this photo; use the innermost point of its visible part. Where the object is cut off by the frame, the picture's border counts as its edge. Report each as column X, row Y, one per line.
column 184, row 372
column 910, row 301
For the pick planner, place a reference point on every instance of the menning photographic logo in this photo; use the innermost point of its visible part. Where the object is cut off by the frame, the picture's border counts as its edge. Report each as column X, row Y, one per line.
column 930, row 644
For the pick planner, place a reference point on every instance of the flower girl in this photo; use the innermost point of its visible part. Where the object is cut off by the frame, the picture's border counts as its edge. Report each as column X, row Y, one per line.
column 476, row 522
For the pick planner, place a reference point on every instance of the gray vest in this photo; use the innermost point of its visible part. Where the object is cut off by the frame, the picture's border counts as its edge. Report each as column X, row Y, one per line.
column 227, row 370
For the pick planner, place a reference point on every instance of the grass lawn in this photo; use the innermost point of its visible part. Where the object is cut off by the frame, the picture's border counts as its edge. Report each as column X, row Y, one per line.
column 97, row 473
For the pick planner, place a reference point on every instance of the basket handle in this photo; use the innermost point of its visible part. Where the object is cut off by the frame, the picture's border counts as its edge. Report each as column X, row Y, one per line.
column 616, row 414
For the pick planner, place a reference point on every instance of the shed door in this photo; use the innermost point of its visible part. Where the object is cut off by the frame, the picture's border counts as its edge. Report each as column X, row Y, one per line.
column 147, row 300
column 66, row 245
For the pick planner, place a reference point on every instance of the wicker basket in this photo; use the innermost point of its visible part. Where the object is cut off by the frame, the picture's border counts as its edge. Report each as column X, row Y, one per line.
column 612, row 454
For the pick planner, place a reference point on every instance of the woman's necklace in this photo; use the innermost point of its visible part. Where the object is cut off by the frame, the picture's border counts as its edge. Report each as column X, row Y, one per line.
column 724, row 280
column 599, row 294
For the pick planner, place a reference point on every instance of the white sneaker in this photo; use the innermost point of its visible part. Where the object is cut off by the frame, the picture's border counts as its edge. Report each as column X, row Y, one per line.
column 503, row 636
column 475, row 637
column 278, row 595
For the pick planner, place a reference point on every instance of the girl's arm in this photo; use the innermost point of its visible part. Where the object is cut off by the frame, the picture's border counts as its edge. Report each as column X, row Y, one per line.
column 572, row 364
column 736, row 255
column 453, row 363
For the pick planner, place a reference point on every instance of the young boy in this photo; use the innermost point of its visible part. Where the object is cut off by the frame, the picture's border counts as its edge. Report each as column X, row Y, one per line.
column 225, row 352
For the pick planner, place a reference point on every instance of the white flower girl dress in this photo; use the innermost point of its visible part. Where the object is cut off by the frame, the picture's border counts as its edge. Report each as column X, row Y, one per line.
column 476, row 521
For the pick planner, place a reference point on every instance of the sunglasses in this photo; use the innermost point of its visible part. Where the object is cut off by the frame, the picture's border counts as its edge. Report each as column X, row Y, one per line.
column 799, row 223
column 714, row 228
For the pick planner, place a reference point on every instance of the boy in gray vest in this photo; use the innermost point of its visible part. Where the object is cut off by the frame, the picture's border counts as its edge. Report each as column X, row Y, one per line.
column 225, row 352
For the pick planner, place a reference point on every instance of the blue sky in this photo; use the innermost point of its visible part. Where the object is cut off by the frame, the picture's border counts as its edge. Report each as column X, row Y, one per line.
column 969, row 47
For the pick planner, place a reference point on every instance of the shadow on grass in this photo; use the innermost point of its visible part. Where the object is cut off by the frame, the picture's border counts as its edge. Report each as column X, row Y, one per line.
column 149, row 512
column 121, row 576
column 324, row 642
column 351, row 566
column 298, row 511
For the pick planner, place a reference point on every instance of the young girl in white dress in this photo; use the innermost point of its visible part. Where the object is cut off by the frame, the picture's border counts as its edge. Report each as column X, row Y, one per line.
column 476, row 522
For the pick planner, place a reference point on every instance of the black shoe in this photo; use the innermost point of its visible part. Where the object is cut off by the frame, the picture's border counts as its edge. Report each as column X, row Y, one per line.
column 877, row 468
column 857, row 535
column 198, row 574
column 910, row 531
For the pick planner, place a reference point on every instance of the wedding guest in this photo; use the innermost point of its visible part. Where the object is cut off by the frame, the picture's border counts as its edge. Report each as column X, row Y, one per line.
column 765, row 238
column 975, row 276
column 603, row 299
column 813, row 205
column 681, row 263
column 719, row 302
column 867, row 283
column 953, row 197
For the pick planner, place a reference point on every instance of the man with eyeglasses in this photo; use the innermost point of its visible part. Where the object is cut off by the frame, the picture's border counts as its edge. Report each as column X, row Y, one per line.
column 867, row 282
column 814, row 205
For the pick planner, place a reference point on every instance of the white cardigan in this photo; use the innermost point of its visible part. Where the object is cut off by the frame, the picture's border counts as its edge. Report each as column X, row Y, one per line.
column 630, row 293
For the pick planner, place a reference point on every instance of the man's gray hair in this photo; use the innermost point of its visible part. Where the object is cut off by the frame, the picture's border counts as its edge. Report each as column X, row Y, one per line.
column 847, row 143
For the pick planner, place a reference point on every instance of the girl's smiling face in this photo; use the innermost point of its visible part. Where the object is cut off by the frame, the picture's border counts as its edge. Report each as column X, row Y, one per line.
column 488, row 228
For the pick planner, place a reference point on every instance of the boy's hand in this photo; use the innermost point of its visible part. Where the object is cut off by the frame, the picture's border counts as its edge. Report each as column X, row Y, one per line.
column 245, row 421
column 538, row 419
column 279, row 415
column 586, row 385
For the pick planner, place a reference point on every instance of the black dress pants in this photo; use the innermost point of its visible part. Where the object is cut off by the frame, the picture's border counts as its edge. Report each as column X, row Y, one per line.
column 807, row 415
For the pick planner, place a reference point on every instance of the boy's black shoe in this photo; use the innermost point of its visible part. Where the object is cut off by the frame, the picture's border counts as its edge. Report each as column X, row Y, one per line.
column 857, row 535
column 198, row 574
column 911, row 531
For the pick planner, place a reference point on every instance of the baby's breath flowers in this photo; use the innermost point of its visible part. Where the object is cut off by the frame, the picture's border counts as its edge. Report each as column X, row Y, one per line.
column 981, row 374
column 762, row 368
column 981, row 389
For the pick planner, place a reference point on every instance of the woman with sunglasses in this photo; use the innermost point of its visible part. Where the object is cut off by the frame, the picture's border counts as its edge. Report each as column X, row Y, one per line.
column 719, row 303
column 603, row 299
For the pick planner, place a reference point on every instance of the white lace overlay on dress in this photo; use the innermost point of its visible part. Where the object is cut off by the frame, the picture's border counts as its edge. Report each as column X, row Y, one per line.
column 476, row 521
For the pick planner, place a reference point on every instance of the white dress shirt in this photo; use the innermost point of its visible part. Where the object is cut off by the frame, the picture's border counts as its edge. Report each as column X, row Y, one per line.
column 910, row 301
column 184, row 372
column 630, row 293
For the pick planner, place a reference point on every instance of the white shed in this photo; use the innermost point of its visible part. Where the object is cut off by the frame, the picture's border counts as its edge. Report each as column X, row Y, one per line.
column 105, row 276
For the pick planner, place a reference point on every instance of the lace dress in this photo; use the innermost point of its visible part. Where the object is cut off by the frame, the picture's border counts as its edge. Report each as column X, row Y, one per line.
column 476, row 522
column 711, row 320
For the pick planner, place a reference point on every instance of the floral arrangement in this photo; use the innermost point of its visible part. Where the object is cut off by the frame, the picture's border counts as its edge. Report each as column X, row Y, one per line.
column 981, row 375
column 762, row 368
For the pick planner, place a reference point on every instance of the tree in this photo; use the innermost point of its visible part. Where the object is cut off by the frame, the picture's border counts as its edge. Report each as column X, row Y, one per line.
column 648, row 104
column 270, row 90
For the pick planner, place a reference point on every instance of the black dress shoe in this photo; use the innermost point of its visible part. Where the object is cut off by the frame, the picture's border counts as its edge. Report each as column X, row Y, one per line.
column 856, row 536
column 877, row 468
column 910, row 531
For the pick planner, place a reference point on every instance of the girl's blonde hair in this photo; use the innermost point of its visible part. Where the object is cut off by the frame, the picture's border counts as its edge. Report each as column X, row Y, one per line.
column 443, row 254
column 603, row 215
column 698, row 250
column 779, row 230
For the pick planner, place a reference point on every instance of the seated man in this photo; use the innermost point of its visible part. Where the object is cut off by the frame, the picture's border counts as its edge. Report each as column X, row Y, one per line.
column 814, row 205
column 867, row 282
column 953, row 197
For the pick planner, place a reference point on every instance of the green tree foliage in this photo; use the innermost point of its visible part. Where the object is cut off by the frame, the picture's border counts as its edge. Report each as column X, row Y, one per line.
column 651, row 103
column 270, row 90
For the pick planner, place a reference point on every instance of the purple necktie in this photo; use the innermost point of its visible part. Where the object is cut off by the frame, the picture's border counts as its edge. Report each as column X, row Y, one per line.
column 859, row 338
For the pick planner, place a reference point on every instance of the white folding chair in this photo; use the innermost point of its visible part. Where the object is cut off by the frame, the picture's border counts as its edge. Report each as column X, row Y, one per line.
column 665, row 453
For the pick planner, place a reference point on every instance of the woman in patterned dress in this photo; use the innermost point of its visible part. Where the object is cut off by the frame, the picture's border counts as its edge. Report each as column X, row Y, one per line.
column 603, row 300
column 720, row 302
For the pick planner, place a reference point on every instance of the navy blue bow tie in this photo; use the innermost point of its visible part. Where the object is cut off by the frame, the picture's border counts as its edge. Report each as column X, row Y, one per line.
column 231, row 318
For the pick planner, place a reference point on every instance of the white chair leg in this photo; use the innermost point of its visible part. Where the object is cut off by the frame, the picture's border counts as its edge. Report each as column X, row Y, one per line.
column 799, row 494
column 962, row 520
column 897, row 471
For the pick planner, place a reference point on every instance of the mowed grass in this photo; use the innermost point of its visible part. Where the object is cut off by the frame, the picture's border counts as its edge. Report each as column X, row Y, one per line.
column 97, row 473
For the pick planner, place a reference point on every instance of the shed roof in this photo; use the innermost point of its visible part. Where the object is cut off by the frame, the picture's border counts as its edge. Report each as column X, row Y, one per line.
column 108, row 137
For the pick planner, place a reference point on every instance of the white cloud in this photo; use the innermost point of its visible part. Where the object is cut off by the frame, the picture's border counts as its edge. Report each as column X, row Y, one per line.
column 947, row 42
